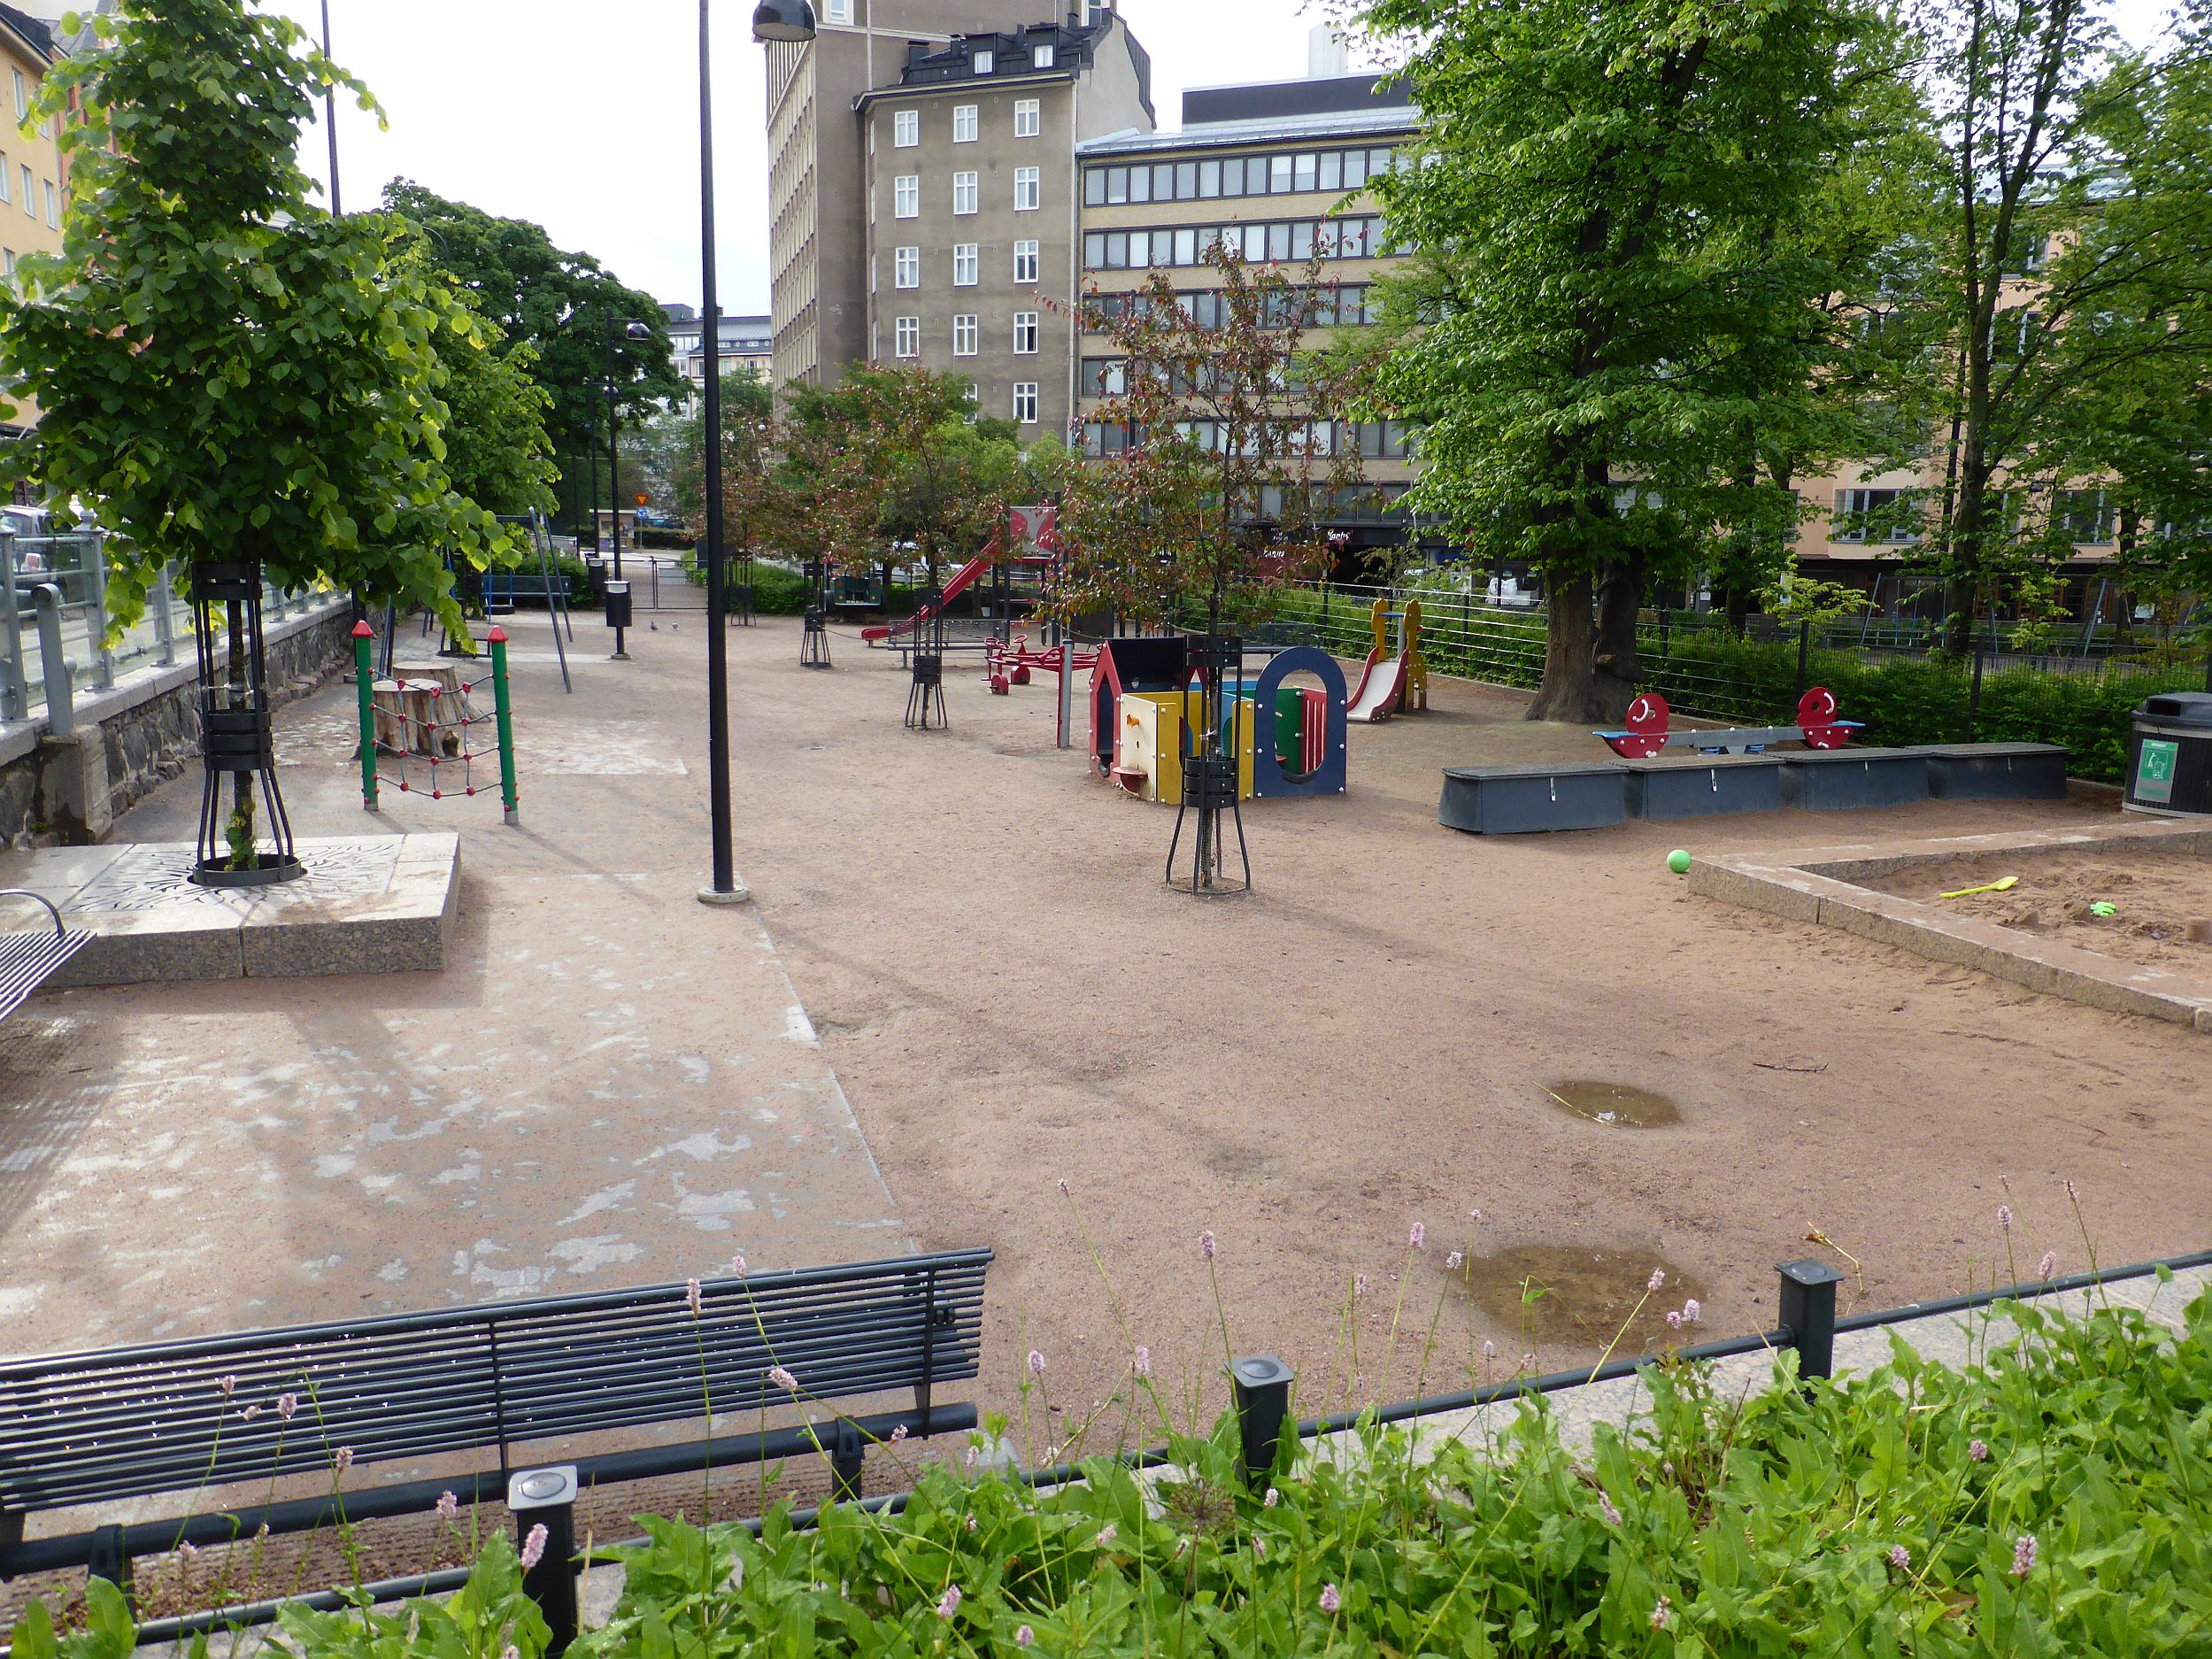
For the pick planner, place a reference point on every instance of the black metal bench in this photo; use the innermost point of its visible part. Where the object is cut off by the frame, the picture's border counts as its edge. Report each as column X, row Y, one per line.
column 29, row 958
column 180, row 1418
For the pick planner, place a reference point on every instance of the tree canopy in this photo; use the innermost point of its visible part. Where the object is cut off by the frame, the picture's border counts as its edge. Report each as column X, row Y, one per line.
column 226, row 372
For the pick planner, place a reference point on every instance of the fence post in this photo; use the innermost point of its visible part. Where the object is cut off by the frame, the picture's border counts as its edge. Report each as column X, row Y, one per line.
column 547, row 1498
column 847, row 1458
column 1804, row 655
column 503, row 705
column 1261, row 1384
column 365, row 682
column 53, row 661
column 15, row 693
column 1808, row 1313
column 107, row 1559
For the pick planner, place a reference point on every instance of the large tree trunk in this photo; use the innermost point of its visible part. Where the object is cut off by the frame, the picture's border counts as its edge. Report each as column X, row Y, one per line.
column 1570, row 654
column 1617, row 668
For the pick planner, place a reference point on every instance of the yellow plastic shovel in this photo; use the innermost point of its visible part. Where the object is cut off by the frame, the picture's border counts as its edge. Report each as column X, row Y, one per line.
column 2004, row 886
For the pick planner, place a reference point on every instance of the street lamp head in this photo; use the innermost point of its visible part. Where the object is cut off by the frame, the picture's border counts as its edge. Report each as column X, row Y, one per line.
column 783, row 20
column 638, row 331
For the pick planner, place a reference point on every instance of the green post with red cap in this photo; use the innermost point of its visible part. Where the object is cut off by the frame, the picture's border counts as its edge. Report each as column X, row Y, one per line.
column 365, row 682
column 504, row 707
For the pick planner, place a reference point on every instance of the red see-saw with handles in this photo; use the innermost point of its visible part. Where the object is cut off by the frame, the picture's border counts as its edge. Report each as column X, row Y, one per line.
column 1648, row 733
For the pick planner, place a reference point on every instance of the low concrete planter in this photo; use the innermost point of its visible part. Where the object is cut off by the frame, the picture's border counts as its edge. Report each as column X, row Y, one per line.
column 1496, row 800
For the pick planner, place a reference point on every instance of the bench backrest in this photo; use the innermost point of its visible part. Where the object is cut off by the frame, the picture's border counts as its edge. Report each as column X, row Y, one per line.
column 140, row 1422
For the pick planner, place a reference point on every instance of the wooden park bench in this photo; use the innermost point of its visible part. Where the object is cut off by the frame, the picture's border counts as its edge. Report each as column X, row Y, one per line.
column 30, row 957
column 178, row 1419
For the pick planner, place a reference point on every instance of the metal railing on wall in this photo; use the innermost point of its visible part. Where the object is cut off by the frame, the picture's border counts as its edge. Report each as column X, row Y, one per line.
column 56, row 643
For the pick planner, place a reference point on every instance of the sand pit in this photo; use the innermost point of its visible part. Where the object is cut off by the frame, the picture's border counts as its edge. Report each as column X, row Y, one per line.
column 2154, row 897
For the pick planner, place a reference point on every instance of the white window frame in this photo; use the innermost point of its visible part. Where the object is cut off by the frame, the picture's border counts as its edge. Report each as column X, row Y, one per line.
column 966, row 334
column 30, row 195
column 906, row 267
column 1028, row 116
column 906, row 338
column 53, row 203
column 968, row 263
column 6, row 189
column 966, row 187
column 1041, row 55
column 986, row 62
column 1025, row 328
column 1025, row 250
column 1029, row 189
column 1025, row 394
column 905, row 129
column 967, row 124
column 837, row 11
column 22, row 98
column 907, row 196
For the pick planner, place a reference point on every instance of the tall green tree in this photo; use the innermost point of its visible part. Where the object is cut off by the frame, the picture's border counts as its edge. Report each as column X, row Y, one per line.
column 225, row 371
column 1613, row 283
column 559, row 306
column 497, row 451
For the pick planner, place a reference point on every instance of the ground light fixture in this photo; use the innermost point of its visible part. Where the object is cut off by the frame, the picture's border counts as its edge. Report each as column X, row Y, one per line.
column 791, row 22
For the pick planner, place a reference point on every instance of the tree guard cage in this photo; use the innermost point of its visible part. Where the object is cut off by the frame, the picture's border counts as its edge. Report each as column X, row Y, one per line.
column 1209, row 775
column 235, row 739
column 813, row 640
column 926, row 694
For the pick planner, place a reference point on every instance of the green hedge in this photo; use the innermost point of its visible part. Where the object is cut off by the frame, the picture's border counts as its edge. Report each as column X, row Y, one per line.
column 1900, row 699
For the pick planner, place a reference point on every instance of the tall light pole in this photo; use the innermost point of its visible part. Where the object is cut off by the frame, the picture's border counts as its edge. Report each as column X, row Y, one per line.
column 330, row 119
column 633, row 332
column 772, row 20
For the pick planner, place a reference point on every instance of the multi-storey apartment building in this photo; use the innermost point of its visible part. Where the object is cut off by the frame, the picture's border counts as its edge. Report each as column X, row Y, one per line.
column 744, row 344
column 31, row 176
column 1280, row 170
column 817, row 181
column 973, row 203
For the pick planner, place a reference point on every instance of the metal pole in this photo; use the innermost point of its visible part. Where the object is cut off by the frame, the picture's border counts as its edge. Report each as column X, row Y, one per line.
column 503, row 707
column 96, row 615
column 330, row 120
column 614, row 478
column 365, row 682
column 14, row 692
column 724, row 889
column 165, row 616
column 53, row 661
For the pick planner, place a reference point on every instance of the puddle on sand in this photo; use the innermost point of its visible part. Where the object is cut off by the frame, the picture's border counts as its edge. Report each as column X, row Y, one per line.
column 1578, row 1296
column 1617, row 1103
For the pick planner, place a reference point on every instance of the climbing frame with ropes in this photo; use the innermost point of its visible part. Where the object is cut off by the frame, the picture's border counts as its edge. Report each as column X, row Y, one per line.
column 423, row 731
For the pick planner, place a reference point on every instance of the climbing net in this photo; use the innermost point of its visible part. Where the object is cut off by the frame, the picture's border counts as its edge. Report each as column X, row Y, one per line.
column 428, row 735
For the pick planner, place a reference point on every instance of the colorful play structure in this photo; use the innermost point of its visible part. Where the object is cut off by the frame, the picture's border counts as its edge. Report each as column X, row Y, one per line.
column 1288, row 740
column 1010, row 662
column 1394, row 682
column 425, row 717
column 1648, row 733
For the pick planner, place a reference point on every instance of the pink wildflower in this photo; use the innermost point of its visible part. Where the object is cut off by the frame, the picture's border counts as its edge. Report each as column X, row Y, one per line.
column 1691, row 1312
column 449, row 1505
column 1330, row 1599
column 1260, row 1550
column 737, row 1264
column 510, row 1652
column 1359, row 1284
column 1271, row 1500
column 1023, row 1635
column 1490, row 1349
column 1606, row 1508
column 783, row 1379
column 286, row 1405
column 2045, row 1268
column 1205, row 1244
column 691, row 1296
column 534, row 1546
column 971, row 1522
column 949, row 1603
column 2004, row 1217
column 344, row 1459
column 1901, row 1558
column 1142, row 1364
column 1475, row 1214
column 1107, row 1535
column 1453, row 1262
column 1978, row 1450
column 2023, row 1555
column 1037, row 1364
column 228, row 1384
column 1414, row 1240
column 1662, row 1614
column 1659, row 1278
column 898, row 1434
column 1674, row 1319
column 249, row 1412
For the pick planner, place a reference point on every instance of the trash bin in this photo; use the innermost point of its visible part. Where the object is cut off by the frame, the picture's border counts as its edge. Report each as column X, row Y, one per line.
column 617, row 605
column 2170, row 755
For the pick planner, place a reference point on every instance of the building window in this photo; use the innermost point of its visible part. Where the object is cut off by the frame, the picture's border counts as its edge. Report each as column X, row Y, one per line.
column 1028, row 116
column 967, row 264
column 3, row 175
column 53, row 205
column 837, row 12
column 985, row 61
column 907, row 267
column 1041, row 56
column 966, row 127
column 2087, row 517
column 909, row 336
column 1874, row 515
column 964, row 192
column 1025, row 334
column 1025, row 261
column 907, row 196
column 1027, row 190
column 907, row 129
column 1025, row 402
column 23, row 99
column 964, row 335
column 30, row 200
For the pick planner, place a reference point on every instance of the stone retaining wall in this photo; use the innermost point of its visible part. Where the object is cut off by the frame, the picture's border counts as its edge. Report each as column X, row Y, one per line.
column 67, row 791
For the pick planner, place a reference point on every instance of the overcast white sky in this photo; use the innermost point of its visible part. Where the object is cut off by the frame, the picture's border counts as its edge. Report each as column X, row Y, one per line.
column 583, row 115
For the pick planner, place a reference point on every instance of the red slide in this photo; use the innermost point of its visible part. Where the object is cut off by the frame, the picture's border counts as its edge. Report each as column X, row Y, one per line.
column 963, row 579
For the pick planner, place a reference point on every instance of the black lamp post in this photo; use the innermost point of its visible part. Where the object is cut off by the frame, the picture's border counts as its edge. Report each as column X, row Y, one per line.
column 772, row 20
column 635, row 332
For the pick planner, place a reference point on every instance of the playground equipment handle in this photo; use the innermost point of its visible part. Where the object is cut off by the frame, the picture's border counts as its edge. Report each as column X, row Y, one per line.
column 365, row 682
column 504, row 708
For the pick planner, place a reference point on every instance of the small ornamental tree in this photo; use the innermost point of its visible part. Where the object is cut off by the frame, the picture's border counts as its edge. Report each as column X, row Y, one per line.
column 1216, row 465
column 226, row 374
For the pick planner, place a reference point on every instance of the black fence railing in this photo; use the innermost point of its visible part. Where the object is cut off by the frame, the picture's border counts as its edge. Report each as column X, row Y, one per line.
column 1808, row 1326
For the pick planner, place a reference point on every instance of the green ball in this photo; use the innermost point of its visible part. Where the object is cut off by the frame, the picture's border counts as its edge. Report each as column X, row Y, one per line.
column 1678, row 860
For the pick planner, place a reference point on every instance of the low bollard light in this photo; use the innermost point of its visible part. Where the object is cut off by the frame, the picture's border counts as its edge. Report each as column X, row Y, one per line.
column 1261, row 1384
column 547, row 1498
column 1808, row 1313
